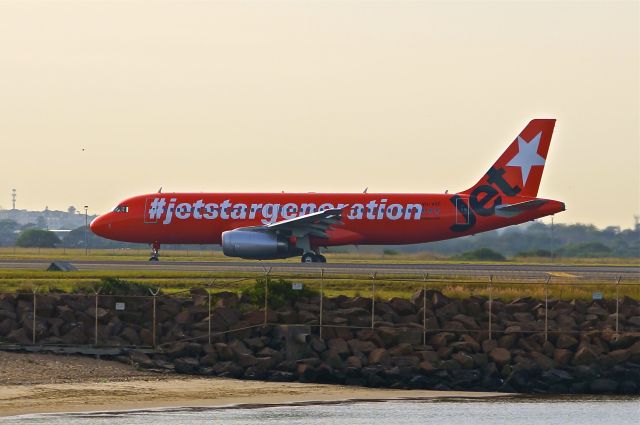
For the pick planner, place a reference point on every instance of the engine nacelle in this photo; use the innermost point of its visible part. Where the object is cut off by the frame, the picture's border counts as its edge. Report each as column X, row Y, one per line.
column 256, row 245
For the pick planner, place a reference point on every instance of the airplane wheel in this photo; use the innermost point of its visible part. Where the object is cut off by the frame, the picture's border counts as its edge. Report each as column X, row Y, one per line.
column 308, row 258
column 154, row 259
column 321, row 258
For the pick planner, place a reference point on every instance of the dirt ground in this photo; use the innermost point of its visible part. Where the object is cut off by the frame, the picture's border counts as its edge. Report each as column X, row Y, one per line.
column 47, row 383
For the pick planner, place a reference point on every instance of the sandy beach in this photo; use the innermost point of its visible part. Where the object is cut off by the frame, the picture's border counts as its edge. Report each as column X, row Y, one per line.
column 44, row 383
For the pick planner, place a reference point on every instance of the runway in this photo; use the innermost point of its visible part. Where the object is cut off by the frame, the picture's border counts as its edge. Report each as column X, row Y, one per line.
column 447, row 269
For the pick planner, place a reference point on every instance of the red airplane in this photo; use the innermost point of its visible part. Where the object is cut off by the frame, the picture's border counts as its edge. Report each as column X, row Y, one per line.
column 269, row 226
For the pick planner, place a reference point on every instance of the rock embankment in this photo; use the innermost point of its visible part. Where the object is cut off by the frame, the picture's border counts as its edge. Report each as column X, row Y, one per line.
column 452, row 349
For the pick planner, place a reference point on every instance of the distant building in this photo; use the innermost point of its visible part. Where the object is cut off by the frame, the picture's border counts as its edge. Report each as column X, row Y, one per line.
column 47, row 219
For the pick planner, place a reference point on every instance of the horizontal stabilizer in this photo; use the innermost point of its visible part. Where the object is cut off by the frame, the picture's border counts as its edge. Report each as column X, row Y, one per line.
column 512, row 210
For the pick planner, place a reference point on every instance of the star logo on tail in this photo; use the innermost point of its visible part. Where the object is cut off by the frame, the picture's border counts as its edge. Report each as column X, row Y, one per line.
column 527, row 156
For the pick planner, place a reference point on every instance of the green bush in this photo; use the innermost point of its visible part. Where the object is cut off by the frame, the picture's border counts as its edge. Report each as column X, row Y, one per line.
column 542, row 253
column 390, row 252
column 280, row 293
column 586, row 250
column 37, row 238
column 482, row 254
column 115, row 286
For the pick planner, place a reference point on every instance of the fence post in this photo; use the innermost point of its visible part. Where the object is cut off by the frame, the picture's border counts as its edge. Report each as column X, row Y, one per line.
column 266, row 293
column 95, row 330
column 490, row 304
column 153, row 322
column 424, row 309
column 321, row 299
column 209, row 307
column 33, row 334
column 373, row 299
column 546, row 308
column 618, row 302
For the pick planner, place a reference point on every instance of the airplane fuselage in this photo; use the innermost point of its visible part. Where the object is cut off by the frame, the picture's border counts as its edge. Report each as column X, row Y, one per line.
column 369, row 218
column 281, row 225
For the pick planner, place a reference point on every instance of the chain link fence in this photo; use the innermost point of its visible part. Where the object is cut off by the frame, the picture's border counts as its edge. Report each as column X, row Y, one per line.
column 330, row 305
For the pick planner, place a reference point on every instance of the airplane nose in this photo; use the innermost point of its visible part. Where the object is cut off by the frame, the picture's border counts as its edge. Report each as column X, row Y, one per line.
column 98, row 225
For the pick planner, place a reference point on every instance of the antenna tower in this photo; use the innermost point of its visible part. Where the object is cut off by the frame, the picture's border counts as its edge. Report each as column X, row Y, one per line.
column 13, row 198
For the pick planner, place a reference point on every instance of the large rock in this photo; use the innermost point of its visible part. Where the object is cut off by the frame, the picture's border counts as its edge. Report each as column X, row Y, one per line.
column 442, row 339
column 141, row 358
column 405, row 361
column 603, row 386
column 439, row 300
column 517, row 306
column 339, row 346
column 187, row 365
column 388, row 335
column 467, row 321
column 500, row 356
column 544, row 362
column 619, row 356
column 566, row 341
column 562, row 356
column 584, row 356
column 19, row 336
column 488, row 345
column 239, row 348
column 183, row 318
column 364, row 347
column 357, row 302
column 354, row 362
column 402, row 306
column 379, row 356
column 209, row 359
column 246, row 360
column 227, row 369
column 426, row 366
column 508, row 341
column 412, row 336
column 224, row 351
column 464, row 359
column 225, row 318
column 333, row 359
column 447, row 312
column 404, row 349
column 525, row 317
column 99, row 312
column 226, row 299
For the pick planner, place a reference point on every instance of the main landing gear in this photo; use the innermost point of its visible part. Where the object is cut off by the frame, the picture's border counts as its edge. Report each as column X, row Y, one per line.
column 312, row 257
column 155, row 252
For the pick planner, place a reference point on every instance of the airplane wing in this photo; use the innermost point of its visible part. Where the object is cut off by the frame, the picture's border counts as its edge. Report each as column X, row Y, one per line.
column 312, row 224
column 512, row 210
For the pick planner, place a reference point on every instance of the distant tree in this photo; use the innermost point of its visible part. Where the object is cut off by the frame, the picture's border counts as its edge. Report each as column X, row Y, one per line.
column 543, row 253
column 41, row 222
column 75, row 239
column 482, row 254
column 587, row 250
column 71, row 210
column 8, row 230
column 37, row 238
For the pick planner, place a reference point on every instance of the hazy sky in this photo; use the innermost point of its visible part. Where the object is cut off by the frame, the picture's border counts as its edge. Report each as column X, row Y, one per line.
column 315, row 96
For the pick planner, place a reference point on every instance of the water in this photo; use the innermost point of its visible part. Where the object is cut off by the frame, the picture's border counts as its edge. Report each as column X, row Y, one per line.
column 507, row 411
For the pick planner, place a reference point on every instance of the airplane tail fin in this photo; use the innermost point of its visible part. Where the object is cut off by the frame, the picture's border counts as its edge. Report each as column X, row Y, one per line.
column 518, row 171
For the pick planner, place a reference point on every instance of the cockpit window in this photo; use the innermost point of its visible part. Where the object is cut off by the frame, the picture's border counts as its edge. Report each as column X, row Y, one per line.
column 121, row 209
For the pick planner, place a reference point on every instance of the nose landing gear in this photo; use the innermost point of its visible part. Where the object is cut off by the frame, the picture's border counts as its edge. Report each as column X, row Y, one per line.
column 312, row 257
column 155, row 252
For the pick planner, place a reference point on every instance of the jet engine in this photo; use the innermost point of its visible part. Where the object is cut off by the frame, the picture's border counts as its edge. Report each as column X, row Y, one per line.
column 256, row 245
